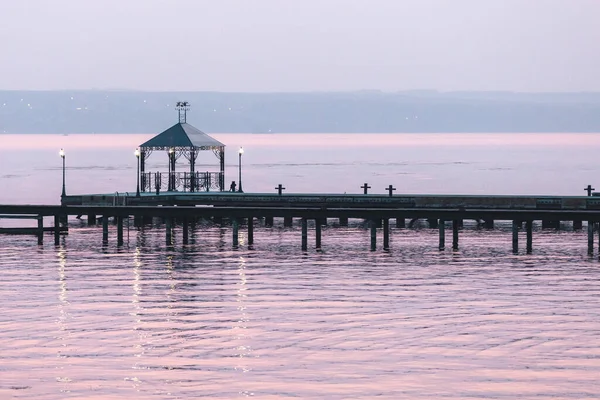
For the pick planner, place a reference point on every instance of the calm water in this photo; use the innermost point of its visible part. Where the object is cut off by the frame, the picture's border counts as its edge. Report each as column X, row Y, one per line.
column 204, row 320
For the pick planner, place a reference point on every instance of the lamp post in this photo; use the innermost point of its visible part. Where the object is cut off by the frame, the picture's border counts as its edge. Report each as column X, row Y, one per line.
column 62, row 155
column 240, row 152
column 170, row 182
column 137, row 155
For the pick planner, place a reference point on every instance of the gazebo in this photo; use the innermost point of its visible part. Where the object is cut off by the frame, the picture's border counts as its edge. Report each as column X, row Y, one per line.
column 182, row 139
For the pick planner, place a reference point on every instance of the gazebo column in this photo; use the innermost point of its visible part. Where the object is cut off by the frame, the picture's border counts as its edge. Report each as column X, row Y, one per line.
column 172, row 178
column 222, row 175
column 142, row 169
column 192, row 171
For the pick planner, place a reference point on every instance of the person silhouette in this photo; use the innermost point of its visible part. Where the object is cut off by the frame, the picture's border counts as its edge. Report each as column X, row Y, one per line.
column 232, row 186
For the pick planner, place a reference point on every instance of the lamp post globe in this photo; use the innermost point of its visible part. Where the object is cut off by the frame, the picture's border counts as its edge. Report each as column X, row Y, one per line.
column 240, row 152
column 62, row 155
column 137, row 155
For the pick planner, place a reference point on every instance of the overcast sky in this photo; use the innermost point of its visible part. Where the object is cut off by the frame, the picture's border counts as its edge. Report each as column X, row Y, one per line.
column 300, row 45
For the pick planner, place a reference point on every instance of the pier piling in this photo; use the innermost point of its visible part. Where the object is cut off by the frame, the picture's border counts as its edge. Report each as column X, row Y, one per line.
column 119, row 231
column 169, row 231
column 250, row 231
column 400, row 222
column 515, row 236
column 304, row 234
column 185, row 231
column 287, row 222
column 529, row 229
column 317, row 234
column 104, row 229
column 91, row 219
column 40, row 230
column 455, row 225
column 343, row 221
column 56, row 230
column 373, row 225
column 235, row 226
column 590, row 229
column 386, row 234
column 442, row 231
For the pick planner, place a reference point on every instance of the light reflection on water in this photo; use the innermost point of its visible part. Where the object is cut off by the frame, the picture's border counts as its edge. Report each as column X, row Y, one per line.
column 205, row 320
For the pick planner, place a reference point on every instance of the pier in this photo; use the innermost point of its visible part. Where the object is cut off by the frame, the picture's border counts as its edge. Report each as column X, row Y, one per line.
column 379, row 212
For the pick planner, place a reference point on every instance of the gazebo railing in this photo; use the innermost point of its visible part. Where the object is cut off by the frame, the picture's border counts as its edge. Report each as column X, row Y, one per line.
column 180, row 181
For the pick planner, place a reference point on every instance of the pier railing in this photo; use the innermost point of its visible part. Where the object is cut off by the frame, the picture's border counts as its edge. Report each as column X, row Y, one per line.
column 180, row 181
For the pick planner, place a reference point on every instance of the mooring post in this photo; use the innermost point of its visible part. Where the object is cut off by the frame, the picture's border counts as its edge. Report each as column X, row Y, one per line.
column 287, row 222
column 235, row 226
column 442, row 231
column 386, row 234
column 515, row 236
column 250, row 231
column 373, row 225
column 186, row 233
column 169, row 231
column 104, row 229
column 119, row 231
column 56, row 230
column 590, row 228
column 400, row 222
column 40, row 229
column 529, row 228
column 455, row 224
column 318, row 234
column 304, row 234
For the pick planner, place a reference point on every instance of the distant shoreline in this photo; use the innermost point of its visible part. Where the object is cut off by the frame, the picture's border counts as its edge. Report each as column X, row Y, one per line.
column 57, row 112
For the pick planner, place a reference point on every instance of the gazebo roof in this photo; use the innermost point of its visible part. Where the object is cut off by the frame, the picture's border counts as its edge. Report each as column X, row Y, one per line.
column 182, row 135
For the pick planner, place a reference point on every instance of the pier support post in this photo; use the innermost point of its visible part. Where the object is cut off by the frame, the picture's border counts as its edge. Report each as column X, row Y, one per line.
column 40, row 230
column 269, row 222
column 489, row 224
column 169, row 231
column 105, row 229
column 442, row 230
column 304, row 234
column 287, row 222
column 455, row 225
column 386, row 234
column 91, row 219
column 433, row 223
column 590, row 229
column 400, row 222
column 515, row 236
column 343, row 221
column 318, row 234
column 577, row 225
column 119, row 231
column 373, row 225
column 235, row 226
column 218, row 220
column 250, row 231
column 186, row 233
column 529, row 228
column 138, row 221
column 56, row 230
